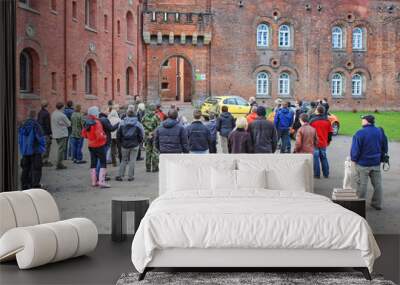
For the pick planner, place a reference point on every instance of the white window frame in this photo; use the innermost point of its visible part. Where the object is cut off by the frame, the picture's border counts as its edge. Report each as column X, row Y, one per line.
column 263, row 35
column 358, row 38
column 284, row 36
column 337, row 37
column 284, row 84
column 337, row 85
column 263, row 80
column 357, row 85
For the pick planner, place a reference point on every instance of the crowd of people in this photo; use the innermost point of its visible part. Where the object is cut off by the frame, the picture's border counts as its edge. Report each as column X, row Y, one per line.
column 123, row 132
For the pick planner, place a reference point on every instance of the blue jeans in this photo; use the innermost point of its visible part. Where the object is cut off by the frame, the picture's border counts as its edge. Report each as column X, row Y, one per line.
column 77, row 144
column 320, row 155
column 106, row 147
column 285, row 141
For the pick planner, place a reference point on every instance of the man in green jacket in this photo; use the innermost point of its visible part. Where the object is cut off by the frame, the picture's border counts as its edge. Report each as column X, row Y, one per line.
column 76, row 135
column 150, row 123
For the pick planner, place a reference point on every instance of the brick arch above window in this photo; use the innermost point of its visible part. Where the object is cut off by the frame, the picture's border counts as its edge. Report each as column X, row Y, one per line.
column 24, row 43
column 95, row 58
column 294, row 74
column 365, row 25
column 337, row 70
column 263, row 68
column 360, row 70
column 263, row 20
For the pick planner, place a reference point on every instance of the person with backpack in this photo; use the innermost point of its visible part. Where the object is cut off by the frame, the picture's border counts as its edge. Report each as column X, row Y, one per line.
column 225, row 124
column 97, row 139
column 130, row 135
column 211, row 125
column 283, row 122
column 368, row 147
column 32, row 144
column 199, row 135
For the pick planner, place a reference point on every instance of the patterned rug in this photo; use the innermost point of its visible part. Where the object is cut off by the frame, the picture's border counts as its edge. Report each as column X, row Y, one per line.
column 244, row 278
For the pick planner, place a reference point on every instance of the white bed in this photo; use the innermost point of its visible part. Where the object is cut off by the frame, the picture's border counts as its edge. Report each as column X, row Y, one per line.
column 202, row 220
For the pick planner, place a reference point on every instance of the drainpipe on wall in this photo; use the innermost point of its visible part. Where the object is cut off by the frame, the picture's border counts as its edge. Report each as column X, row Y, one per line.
column 112, row 50
column 138, row 34
column 65, row 53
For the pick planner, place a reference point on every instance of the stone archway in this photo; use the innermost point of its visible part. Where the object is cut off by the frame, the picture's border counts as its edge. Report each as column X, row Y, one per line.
column 176, row 79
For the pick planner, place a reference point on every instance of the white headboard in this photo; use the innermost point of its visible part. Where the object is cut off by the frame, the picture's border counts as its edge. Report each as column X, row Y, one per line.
column 208, row 159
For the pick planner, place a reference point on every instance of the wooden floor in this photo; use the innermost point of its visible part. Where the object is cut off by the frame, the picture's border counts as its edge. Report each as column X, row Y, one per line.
column 110, row 260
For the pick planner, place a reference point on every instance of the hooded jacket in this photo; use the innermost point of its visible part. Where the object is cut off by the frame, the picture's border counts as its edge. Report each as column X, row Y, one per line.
column 199, row 136
column 225, row 124
column 93, row 131
column 30, row 138
column 263, row 136
column 283, row 119
column 171, row 137
column 130, row 133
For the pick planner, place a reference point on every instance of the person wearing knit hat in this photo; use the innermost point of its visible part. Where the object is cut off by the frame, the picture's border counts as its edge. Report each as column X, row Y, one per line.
column 97, row 139
column 263, row 133
column 239, row 140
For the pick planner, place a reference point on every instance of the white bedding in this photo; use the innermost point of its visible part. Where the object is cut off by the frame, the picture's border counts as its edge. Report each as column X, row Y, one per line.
column 250, row 219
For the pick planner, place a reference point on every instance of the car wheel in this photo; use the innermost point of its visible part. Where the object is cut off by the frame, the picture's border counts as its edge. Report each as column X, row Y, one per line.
column 335, row 127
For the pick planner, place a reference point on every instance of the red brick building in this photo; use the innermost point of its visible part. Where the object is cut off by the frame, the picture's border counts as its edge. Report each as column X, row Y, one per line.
column 91, row 51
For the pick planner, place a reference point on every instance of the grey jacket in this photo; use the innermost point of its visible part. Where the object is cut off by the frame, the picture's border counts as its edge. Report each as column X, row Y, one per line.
column 59, row 124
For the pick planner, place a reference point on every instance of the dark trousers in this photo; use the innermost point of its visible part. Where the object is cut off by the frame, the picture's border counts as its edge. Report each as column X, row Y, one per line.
column 99, row 163
column 114, row 150
column 213, row 147
column 31, row 171
column 284, row 135
column 62, row 146
column 77, row 144
column 98, row 154
column 46, row 154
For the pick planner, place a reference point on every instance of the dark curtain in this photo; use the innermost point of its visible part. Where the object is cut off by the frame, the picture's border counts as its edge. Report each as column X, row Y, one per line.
column 8, row 132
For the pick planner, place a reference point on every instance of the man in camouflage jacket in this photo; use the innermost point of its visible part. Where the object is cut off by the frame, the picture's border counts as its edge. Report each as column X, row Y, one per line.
column 150, row 123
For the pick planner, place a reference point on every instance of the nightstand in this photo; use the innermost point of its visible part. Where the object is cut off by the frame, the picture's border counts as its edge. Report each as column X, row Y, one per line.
column 357, row 206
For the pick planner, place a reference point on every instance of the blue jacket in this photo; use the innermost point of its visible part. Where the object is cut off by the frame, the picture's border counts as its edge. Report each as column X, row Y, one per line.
column 199, row 136
column 171, row 137
column 283, row 119
column 368, row 145
column 68, row 112
column 212, row 127
column 225, row 124
column 31, row 139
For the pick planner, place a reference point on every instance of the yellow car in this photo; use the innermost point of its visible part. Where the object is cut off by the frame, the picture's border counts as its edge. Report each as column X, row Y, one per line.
column 237, row 106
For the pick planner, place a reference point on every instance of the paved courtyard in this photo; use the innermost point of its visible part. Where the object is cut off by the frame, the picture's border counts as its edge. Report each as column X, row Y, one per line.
column 75, row 197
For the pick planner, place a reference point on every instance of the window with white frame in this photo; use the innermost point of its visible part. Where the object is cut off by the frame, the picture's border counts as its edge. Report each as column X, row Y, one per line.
column 337, row 84
column 262, row 84
column 263, row 35
column 357, row 85
column 284, row 36
column 357, row 38
column 337, row 37
column 284, row 84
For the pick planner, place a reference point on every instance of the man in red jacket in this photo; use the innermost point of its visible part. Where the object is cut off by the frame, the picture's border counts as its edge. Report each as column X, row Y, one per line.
column 324, row 130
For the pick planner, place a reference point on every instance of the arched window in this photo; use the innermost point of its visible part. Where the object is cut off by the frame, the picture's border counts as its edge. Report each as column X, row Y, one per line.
column 284, row 84
column 90, row 13
column 337, row 37
column 357, row 38
column 262, row 84
column 129, row 26
column 284, row 36
column 357, row 85
column 129, row 81
column 90, row 77
column 337, row 84
column 263, row 35
column 25, row 72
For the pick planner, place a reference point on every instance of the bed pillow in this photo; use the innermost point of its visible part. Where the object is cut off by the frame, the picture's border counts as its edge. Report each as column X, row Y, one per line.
column 282, row 174
column 188, row 176
column 223, row 180
column 251, row 179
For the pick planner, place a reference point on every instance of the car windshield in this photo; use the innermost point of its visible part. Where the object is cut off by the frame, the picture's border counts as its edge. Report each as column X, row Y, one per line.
column 212, row 100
